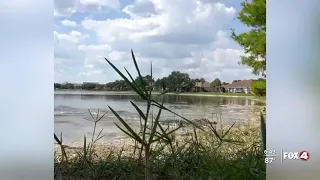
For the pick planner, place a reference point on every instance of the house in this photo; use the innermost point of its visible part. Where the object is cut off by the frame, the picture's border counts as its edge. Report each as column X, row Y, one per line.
column 77, row 85
column 239, row 87
column 206, row 87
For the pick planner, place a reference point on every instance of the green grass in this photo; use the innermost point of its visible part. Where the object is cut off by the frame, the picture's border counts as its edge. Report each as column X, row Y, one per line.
column 210, row 151
column 201, row 155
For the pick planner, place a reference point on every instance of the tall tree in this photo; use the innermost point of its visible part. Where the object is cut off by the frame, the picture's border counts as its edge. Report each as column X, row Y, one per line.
column 164, row 83
column 179, row 80
column 192, row 83
column 147, row 80
column 202, row 80
column 57, row 85
column 216, row 82
column 253, row 15
column 89, row 86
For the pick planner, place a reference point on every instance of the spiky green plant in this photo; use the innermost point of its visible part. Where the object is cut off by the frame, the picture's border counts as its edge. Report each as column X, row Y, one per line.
column 150, row 134
column 63, row 150
column 88, row 148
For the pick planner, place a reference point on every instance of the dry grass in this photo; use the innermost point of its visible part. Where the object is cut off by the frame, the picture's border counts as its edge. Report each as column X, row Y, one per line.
column 199, row 155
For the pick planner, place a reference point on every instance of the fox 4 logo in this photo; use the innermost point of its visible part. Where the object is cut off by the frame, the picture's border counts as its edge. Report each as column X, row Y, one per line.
column 303, row 155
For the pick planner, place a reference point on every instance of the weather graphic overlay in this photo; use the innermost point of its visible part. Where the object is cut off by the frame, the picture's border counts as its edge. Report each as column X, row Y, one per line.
column 269, row 156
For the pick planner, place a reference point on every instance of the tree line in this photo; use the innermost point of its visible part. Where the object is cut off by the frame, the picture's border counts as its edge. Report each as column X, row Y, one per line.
column 177, row 80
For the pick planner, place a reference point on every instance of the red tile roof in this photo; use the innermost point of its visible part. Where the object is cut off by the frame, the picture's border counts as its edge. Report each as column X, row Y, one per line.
column 244, row 83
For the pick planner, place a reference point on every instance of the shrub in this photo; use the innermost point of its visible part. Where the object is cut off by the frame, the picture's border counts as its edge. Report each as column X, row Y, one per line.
column 258, row 87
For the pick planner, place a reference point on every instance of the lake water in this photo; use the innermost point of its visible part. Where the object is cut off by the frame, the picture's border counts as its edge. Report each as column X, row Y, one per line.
column 71, row 109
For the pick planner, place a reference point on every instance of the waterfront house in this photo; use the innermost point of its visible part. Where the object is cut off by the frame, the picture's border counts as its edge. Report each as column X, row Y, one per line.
column 77, row 85
column 206, row 87
column 239, row 87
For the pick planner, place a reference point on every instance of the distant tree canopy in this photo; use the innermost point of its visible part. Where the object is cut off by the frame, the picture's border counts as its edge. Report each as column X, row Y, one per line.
column 57, row 85
column 63, row 86
column 89, row 86
column 215, row 83
column 235, row 81
column 118, row 85
column 147, row 81
column 253, row 15
column 175, row 81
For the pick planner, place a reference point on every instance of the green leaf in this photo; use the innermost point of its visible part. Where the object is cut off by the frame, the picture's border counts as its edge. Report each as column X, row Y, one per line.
column 137, row 68
column 127, row 133
column 159, row 105
column 195, row 134
column 57, row 139
column 139, row 110
column 228, row 130
column 142, row 95
column 101, row 116
column 134, row 134
column 161, row 135
column 84, row 145
column 263, row 130
column 153, row 131
column 98, row 136
column 150, row 86
column 213, row 129
column 133, row 81
column 174, row 130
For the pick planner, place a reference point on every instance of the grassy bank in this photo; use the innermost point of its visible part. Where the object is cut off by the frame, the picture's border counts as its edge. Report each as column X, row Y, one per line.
column 195, row 155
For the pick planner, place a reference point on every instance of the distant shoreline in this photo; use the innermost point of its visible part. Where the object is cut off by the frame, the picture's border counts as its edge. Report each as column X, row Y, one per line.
column 201, row 94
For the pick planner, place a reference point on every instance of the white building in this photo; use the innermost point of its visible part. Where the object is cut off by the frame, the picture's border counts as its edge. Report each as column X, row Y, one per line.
column 239, row 87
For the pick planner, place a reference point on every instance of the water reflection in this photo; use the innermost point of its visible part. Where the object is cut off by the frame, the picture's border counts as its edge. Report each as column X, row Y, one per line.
column 171, row 99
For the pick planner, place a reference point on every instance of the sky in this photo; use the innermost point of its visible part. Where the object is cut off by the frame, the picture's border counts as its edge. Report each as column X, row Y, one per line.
column 175, row 35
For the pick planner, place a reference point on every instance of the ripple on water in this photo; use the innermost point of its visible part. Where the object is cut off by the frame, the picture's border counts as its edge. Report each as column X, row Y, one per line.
column 211, row 110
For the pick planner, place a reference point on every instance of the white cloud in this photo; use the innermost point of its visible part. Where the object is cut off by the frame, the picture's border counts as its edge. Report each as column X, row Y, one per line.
column 117, row 55
column 64, row 8
column 68, row 58
column 74, row 36
column 101, row 3
column 142, row 8
column 171, row 23
column 94, row 54
column 69, row 7
column 69, row 23
column 189, row 36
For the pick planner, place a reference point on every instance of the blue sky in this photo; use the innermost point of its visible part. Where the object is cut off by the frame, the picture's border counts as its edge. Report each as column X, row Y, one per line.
column 189, row 36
